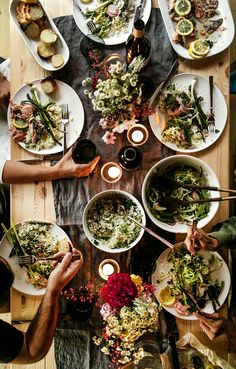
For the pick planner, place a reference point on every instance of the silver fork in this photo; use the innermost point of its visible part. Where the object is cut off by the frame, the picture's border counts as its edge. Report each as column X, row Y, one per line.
column 90, row 24
column 211, row 118
column 64, row 120
column 31, row 259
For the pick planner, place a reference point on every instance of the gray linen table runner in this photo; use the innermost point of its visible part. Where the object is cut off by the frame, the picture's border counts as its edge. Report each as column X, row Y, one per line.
column 73, row 346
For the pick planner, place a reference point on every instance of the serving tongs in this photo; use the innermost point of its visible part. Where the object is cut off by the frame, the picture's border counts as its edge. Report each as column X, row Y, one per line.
column 32, row 259
column 171, row 203
column 167, row 183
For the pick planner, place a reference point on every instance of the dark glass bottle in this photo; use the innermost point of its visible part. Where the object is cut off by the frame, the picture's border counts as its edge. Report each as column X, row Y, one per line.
column 138, row 43
column 130, row 157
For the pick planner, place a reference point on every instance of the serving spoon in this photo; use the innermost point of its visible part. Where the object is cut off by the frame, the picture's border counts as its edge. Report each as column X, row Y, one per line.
column 171, row 203
column 161, row 182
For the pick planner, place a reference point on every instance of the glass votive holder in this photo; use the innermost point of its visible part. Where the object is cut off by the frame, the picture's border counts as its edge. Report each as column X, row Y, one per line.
column 113, row 59
column 108, row 267
column 111, row 172
column 137, row 134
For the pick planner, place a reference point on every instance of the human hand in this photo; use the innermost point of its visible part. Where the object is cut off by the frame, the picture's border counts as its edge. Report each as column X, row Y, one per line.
column 212, row 324
column 66, row 168
column 64, row 271
column 199, row 240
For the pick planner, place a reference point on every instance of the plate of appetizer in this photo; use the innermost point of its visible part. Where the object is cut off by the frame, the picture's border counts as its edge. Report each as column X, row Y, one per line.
column 33, row 237
column 196, row 28
column 113, row 19
column 186, row 283
column 34, row 116
column 181, row 118
column 173, row 180
column 40, row 34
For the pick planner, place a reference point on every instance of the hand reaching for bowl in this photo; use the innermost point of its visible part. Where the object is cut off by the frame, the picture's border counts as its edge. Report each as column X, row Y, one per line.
column 199, row 240
column 212, row 324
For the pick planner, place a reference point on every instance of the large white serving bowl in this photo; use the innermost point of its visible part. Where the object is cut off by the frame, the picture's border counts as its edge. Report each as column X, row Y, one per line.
column 211, row 180
column 116, row 194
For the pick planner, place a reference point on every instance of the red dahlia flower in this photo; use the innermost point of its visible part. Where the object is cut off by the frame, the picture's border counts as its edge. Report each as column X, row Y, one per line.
column 119, row 291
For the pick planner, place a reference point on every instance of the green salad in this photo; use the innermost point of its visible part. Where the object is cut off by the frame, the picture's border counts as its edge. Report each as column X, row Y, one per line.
column 183, row 213
column 110, row 226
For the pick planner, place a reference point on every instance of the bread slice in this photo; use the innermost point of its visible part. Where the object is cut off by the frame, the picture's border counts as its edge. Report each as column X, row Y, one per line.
column 31, row 29
column 57, row 60
column 34, row 12
column 48, row 85
column 48, row 36
column 45, row 51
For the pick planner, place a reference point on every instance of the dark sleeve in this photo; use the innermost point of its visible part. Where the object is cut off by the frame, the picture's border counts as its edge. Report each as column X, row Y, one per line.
column 11, row 342
column 225, row 232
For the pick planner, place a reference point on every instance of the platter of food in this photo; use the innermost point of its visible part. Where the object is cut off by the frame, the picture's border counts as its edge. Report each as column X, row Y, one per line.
column 107, row 224
column 196, row 28
column 171, row 181
column 181, row 118
column 39, row 238
column 186, row 283
column 113, row 18
column 40, row 34
column 34, row 117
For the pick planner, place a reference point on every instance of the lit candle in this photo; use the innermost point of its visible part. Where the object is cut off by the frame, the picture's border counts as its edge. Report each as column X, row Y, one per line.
column 137, row 135
column 113, row 172
column 108, row 269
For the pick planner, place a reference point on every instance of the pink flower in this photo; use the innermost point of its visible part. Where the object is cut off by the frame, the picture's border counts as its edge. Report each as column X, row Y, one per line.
column 106, row 311
column 109, row 138
column 107, row 123
column 126, row 124
column 119, row 291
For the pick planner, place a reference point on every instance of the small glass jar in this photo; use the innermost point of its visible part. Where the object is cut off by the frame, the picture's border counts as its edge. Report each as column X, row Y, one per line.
column 84, row 151
column 130, row 158
column 147, row 353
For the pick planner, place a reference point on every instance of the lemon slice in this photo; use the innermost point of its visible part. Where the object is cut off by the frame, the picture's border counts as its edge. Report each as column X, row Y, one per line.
column 165, row 297
column 184, row 27
column 182, row 7
column 193, row 55
column 20, row 124
column 200, row 47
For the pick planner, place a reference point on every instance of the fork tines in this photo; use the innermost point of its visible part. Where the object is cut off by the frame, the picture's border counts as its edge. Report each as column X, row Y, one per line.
column 90, row 24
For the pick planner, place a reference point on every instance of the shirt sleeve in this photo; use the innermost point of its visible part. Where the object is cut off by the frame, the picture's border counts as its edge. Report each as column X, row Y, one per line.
column 11, row 342
column 225, row 232
column 2, row 163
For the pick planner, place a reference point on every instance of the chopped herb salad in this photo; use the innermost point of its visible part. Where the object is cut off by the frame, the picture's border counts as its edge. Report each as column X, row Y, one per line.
column 183, row 213
column 108, row 223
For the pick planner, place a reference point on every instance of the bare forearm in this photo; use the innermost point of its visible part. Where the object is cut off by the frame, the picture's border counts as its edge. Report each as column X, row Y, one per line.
column 39, row 336
column 15, row 172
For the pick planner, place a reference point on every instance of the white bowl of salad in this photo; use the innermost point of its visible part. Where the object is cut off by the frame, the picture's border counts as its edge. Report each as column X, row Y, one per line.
column 106, row 223
column 168, row 179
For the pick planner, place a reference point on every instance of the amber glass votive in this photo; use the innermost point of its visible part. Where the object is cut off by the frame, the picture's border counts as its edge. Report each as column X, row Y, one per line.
column 137, row 134
column 111, row 172
column 108, row 267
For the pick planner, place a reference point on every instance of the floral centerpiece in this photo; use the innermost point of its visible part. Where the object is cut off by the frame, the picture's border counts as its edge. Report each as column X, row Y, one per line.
column 80, row 301
column 128, row 313
column 118, row 98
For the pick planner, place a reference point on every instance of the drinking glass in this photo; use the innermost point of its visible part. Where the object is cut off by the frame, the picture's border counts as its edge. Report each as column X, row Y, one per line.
column 84, row 151
column 93, row 49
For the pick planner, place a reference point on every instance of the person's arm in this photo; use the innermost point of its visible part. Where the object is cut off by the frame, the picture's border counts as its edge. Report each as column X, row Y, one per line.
column 16, row 172
column 38, row 338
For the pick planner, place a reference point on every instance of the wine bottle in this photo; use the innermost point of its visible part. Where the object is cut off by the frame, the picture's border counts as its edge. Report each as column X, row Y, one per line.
column 138, row 43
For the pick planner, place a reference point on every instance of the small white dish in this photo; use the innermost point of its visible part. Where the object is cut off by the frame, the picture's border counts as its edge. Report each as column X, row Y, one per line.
column 32, row 44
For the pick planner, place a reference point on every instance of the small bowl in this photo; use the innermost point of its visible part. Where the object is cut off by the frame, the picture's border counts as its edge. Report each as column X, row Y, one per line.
column 211, row 180
column 116, row 194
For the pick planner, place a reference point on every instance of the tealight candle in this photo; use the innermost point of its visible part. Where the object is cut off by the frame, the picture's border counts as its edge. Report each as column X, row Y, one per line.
column 108, row 267
column 137, row 134
column 111, row 172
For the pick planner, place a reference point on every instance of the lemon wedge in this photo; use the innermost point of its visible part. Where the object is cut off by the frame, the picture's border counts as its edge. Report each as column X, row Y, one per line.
column 182, row 7
column 184, row 27
column 165, row 297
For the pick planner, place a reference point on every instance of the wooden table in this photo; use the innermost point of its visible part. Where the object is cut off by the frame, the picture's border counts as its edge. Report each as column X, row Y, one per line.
column 35, row 201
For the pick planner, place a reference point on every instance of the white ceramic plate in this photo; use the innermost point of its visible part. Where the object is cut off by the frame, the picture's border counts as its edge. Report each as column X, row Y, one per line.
column 115, row 39
column 182, row 81
column 32, row 44
column 21, row 282
column 211, row 180
column 63, row 94
column 221, row 38
column 222, row 274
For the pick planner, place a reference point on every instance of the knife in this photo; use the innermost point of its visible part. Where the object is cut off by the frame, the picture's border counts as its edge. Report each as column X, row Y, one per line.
column 155, row 97
column 41, row 159
column 138, row 11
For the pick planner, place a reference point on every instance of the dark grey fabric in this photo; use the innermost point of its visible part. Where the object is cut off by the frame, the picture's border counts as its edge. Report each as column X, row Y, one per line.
column 73, row 347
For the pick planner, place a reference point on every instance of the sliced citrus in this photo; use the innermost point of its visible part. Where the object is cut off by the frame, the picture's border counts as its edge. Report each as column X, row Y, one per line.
column 200, row 47
column 193, row 55
column 184, row 27
column 182, row 7
column 20, row 124
column 165, row 297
